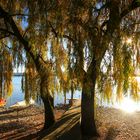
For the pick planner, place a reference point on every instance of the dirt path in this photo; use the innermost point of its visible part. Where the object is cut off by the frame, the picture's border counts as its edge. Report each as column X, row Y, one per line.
column 65, row 127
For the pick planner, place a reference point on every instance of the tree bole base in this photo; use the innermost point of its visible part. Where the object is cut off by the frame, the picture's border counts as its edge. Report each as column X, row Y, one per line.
column 89, row 133
column 46, row 126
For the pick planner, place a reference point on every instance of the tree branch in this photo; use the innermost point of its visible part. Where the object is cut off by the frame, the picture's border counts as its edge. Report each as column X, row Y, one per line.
column 25, row 32
column 69, row 38
column 53, row 30
column 17, row 33
column 135, row 4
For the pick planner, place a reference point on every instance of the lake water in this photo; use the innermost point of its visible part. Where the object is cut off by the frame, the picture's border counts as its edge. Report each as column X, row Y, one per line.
column 18, row 95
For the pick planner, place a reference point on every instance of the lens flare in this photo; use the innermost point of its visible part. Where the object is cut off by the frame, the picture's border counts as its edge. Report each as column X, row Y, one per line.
column 128, row 105
column 129, row 40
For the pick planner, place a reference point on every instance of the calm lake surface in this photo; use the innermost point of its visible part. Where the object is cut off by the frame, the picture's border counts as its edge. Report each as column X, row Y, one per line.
column 18, row 95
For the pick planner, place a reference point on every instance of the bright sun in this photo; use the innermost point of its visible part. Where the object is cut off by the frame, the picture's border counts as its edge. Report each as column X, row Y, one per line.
column 128, row 105
column 129, row 40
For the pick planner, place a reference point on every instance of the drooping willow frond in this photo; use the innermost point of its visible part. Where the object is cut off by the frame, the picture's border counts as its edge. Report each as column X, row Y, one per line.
column 6, row 73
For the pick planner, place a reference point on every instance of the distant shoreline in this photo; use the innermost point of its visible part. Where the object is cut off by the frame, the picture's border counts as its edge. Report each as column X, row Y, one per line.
column 18, row 74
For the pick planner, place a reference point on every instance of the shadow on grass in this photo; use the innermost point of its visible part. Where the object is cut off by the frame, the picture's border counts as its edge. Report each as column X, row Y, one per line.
column 73, row 134
column 58, row 124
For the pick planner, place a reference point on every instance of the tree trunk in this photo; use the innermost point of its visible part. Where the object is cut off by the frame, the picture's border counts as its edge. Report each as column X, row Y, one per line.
column 48, row 103
column 27, row 95
column 88, row 127
column 65, row 99
column 51, row 98
column 72, row 92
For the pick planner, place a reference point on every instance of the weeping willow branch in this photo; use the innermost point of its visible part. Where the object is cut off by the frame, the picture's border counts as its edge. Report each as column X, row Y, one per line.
column 69, row 38
column 57, row 33
column 16, row 33
column 135, row 4
column 53, row 30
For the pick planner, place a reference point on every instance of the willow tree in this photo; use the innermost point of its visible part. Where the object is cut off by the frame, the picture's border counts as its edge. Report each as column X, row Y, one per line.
column 103, row 30
column 90, row 29
column 6, row 72
column 93, row 28
column 12, row 14
column 28, row 25
column 30, row 82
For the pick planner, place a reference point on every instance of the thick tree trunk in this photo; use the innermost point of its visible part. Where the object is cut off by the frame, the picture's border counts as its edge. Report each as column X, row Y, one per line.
column 88, row 127
column 48, row 103
column 51, row 98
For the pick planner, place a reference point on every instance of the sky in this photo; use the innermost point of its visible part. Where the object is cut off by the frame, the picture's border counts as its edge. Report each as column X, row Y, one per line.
column 20, row 69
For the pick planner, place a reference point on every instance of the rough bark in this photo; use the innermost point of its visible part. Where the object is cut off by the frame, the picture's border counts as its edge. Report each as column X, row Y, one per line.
column 88, row 126
column 51, row 98
column 47, row 100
